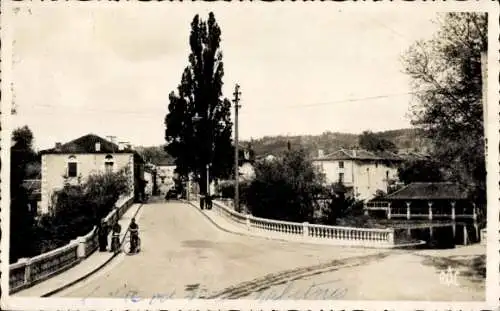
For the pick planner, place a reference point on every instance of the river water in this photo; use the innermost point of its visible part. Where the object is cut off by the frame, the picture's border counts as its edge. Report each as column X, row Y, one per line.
column 441, row 236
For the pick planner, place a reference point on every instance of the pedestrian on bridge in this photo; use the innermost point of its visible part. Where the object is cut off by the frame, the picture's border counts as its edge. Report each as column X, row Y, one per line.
column 102, row 233
column 115, row 238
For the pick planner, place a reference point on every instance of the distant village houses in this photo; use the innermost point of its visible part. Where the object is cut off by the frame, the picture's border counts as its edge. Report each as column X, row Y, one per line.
column 150, row 178
column 246, row 163
column 165, row 173
column 362, row 172
column 72, row 162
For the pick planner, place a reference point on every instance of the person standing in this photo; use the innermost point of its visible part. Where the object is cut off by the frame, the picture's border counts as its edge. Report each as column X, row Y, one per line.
column 115, row 238
column 102, row 232
column 134, row 235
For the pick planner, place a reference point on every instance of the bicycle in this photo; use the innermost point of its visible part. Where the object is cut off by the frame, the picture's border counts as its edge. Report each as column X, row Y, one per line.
column 127, row 245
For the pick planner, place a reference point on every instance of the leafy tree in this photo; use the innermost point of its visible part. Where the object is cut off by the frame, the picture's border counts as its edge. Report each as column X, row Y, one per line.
column 420, row 171
column 194, row 143
column 154, row 154
column 373, row 142
column 22, row 138
column 446, row 77
column 21, row 215
column 284, row 189
column 103, row 190
column 338, row 205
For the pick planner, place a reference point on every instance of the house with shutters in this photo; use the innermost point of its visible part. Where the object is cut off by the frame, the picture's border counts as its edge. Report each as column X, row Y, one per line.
column 74, row 161
column 362, row 172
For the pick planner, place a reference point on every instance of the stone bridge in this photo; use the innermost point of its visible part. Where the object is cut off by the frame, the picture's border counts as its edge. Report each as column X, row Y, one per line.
column 192, row 253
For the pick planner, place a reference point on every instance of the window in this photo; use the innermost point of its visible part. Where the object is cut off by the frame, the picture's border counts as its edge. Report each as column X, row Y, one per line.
column 341, row 164
column 72, row 167
column 108, row 164
column 341, row 177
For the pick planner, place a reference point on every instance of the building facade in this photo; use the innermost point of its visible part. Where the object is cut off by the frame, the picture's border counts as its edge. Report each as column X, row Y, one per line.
column 360, row 171
column 73, row 162
column 165, row 174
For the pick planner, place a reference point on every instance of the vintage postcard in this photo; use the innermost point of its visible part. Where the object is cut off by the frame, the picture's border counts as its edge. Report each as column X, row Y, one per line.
column 250, row 155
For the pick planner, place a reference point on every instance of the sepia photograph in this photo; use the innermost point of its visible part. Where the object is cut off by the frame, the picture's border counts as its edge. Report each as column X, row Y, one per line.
column 248, row 153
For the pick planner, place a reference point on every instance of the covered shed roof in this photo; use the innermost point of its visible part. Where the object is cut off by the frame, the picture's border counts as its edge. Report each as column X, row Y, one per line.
column 429, row 191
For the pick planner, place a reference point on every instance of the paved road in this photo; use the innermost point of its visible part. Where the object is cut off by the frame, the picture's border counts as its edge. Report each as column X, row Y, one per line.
column 184, row 255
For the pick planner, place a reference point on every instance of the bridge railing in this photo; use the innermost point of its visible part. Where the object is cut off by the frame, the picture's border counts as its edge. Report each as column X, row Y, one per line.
column 27, row 272
column 335, row 234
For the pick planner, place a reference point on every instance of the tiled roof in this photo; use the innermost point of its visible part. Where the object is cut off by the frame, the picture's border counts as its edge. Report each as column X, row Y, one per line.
column 429, row 191
column 359, row 154
column 86, row 144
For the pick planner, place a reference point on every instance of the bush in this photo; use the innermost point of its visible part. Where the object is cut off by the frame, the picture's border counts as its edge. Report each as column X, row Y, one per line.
column 78, row 208
column 340, row 207
column 284, row 189
column 226, row 189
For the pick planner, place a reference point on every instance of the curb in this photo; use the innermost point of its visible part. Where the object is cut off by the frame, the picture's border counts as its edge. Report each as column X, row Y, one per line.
column 216, row 224
column 86, row 276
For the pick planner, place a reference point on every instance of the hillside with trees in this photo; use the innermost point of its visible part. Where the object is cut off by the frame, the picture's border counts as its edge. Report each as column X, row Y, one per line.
column 403, row 139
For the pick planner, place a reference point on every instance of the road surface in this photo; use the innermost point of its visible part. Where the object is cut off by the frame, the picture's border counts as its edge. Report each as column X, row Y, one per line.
column 185, row 256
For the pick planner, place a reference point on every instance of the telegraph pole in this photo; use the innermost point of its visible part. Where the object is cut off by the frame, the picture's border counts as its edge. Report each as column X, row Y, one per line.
column 236, row 100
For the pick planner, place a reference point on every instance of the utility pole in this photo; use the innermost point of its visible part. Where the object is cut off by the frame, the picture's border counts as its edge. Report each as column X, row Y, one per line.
column 236, row 100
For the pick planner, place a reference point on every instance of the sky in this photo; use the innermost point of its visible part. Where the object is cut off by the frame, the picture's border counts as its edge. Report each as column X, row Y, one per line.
column 108, row 70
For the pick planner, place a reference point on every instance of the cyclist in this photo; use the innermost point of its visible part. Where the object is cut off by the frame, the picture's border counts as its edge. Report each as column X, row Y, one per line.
column 134, row 235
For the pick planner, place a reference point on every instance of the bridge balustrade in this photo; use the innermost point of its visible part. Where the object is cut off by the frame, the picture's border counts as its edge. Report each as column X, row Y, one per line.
column 27, row 272
column 335, row 234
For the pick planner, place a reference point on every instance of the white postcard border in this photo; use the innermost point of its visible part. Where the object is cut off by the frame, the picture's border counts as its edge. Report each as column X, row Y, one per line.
column 493, row 180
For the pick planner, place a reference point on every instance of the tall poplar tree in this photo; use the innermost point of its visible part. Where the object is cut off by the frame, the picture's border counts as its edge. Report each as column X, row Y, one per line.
column 198, row 124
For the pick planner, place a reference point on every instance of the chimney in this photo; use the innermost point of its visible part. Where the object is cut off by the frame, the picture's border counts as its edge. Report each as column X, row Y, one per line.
column 98, row 146
column 58, row 145
column 121, row 146
column 320, row 153
column 354, row 153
